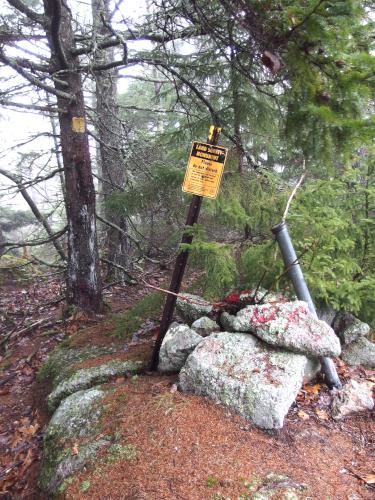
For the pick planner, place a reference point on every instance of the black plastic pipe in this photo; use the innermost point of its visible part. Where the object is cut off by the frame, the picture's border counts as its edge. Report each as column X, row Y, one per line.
column 295, row 272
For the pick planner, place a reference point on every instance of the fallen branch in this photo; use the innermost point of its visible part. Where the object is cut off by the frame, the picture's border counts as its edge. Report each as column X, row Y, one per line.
column 182, row 297
column 130, row 280
column 7, row 379
column 31, row 327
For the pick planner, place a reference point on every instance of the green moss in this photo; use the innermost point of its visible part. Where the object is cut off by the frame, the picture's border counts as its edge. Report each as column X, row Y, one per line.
column 63, row 486
column 131, row 320
column 85, row 485
column 77, row 420
column 60, row 363
column 118, row 452
column 17, row 268
column 211, row 481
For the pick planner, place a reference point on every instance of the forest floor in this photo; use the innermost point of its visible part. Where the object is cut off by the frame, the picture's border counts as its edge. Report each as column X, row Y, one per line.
column 182, row 446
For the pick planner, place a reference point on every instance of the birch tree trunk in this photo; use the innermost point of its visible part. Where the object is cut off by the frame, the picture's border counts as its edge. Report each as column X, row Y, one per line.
column 84, row 287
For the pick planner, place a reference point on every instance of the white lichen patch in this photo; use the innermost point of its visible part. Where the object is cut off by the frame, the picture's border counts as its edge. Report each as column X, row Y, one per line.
column 254, row 379
column 88, row 377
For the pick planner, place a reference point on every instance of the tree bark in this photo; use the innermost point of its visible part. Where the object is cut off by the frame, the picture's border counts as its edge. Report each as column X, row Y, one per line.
column 84, row 287
column 109, row 130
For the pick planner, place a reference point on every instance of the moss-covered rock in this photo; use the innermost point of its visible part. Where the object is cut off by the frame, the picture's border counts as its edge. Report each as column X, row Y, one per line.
column 88, row 377
column 72, row 438
column 278, row 486
column 60, row 363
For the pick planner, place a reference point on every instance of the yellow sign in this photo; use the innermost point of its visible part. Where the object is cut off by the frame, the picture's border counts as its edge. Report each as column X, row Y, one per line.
column 78, row 125
column 204, row 170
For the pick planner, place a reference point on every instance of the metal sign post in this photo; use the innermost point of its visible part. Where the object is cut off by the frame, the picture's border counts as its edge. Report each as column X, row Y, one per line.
column 191, row 184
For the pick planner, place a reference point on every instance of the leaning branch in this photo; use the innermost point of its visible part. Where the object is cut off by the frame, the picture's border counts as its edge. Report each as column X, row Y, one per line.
column 35, row 243
column 31, row 14
column 130, row 280
column 12, row 63
column 293, row 193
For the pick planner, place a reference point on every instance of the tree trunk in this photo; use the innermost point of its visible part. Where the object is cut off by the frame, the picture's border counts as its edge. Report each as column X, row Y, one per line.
column 109, row 130
column 84, row 288
column 236, row 113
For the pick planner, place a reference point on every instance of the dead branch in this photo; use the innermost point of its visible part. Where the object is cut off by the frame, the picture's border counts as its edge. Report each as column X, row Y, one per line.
column 294, row 193
column 182, row 297
column 13, row 244
column 130, row 280
column 35, row 210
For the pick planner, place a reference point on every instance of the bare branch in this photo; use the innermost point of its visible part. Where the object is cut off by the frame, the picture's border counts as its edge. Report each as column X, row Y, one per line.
column 294, row 193
column 32, row 79
column 31, row 14
column 35, row 243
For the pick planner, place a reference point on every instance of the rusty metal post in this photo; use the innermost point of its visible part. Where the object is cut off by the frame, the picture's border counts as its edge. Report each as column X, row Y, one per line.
column 180, row 265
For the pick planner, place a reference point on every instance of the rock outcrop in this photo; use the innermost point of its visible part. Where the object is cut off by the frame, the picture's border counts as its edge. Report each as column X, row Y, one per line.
column 178, row 343
column 88, row 377
column 360, row 352
column 352, row 398
column 349, row 328
column 205, row 326
column 258, row 381
column 76, row 418
column 193, row 307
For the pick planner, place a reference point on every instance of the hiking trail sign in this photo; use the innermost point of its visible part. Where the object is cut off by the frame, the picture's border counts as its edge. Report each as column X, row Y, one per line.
column 204, row 170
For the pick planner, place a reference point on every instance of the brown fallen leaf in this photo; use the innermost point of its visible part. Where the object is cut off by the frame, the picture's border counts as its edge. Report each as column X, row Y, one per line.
column 312, row 389
column 28, row 460
column 75, row 449
column 29, row 431
column 302, row 415
column 272, row 61
column 322, row 414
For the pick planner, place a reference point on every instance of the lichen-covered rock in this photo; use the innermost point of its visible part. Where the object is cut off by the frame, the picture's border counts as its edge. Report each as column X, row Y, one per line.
column 360, row 352
column 352, row 398
column 349, row 328
column 193, row 307
column 60, row 363
column 77, row 417
column 278, row 486
column 237, row 369
column 327, row 314
column 205, row 326
column 289, row 325
column 88, row 377
column 178, row 343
